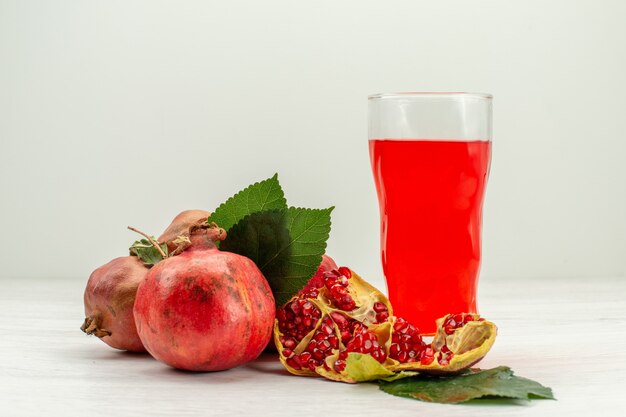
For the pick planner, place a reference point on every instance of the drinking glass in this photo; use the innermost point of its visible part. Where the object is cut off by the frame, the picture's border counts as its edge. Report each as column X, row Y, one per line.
column 430, row 156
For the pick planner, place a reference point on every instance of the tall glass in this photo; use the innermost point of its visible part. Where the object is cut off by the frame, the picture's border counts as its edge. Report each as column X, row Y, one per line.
column 430, row 155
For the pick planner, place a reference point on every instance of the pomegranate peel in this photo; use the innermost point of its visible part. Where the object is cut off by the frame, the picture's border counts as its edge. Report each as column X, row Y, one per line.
column 361, row 367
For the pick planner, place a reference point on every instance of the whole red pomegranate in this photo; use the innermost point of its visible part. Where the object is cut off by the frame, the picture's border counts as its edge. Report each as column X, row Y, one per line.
column 341, row 315
column 205, row 309
column 109, row 298
column 180, row 226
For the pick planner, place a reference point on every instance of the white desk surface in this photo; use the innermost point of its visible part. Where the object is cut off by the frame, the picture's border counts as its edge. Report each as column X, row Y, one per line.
column 569, row 334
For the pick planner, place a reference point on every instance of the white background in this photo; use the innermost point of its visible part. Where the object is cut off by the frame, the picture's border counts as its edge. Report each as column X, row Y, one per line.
column 127, row 112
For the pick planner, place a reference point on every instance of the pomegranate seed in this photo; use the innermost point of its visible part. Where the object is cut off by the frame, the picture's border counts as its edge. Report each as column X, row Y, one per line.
column 339, row 319
column 445, row 349
column 329, row 279
column 345, row 272
column 379, row 355
column 399, row 324
column 294, row 362
column 449, row 329
column 334, row 341
column 287, row 352
column 408, row 329
column 427, row 356
column 347, row 303
column 458, row 318
column 412, row 353
column 338, row 291
column 318, row 354
column 307, row 308
column 290, row 343
column 345, row 336
column 383, row 316
column 379, row 307
column 323, row 345
column 394, row 350
column 327, row 330
column 468, row 318
column 343, row 354
column 305, row 357
column 367, row 346
column 318, row 336
column 343, row 281
column 395, row 338
column 340, row 365
column 403, row 357
column 281, row 315
column 295, row 307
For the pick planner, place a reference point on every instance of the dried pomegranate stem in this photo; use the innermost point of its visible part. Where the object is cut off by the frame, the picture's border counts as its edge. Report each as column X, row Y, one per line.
column 154, row 242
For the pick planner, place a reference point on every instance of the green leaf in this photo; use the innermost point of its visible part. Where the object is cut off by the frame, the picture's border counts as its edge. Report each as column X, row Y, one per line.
column 497, row 382
column 263, row 195
column 287, row 245
column 146, row 252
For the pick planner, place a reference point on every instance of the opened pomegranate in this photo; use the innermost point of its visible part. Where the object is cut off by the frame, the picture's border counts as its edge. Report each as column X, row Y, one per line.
column 205, row 309
column 180, row 226
column 342, row 315
column 109, row 298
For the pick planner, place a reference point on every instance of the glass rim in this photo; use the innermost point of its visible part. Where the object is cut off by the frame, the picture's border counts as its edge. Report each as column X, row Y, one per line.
column 430, row 94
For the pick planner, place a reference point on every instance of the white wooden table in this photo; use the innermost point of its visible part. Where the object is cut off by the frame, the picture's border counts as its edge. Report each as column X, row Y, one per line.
column 569, row 334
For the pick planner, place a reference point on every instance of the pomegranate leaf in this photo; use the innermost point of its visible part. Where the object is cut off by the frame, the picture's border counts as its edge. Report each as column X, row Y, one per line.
column 260, row 196
column 146, row 252
column 286, row 244
column 498, row 382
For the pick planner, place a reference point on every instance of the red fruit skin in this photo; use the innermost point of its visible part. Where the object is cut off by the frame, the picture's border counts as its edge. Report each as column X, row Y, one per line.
column 205, row 310
column 109, row 298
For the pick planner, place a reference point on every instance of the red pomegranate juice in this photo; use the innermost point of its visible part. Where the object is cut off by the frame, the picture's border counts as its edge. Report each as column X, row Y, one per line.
column 431, row 198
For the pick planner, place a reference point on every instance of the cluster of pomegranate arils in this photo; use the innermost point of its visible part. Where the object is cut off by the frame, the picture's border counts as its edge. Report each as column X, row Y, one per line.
column 456, row 321
column 300, row 316
column 338, row 323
